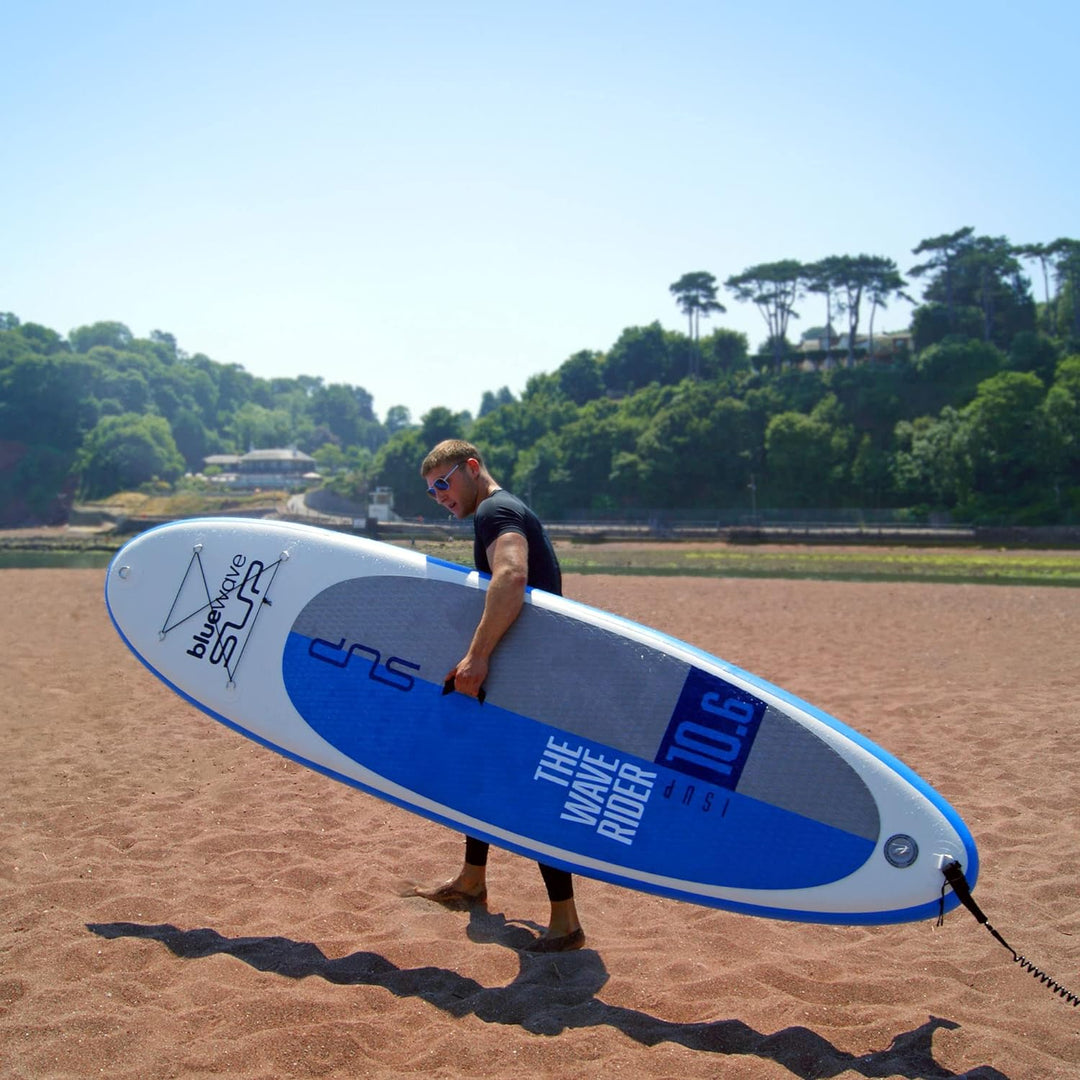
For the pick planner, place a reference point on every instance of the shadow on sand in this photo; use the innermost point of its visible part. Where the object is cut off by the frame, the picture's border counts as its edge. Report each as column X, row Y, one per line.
column 552, row 994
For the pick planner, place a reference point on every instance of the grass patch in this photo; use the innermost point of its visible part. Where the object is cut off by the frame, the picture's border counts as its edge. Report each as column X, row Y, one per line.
column 962, row 566
column 183, row 504
column 840, row 564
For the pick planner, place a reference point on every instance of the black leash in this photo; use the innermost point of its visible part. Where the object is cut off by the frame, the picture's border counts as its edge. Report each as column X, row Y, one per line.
column 954, row 877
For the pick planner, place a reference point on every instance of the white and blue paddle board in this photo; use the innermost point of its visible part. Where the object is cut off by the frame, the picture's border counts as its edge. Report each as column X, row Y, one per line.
column 602, row 746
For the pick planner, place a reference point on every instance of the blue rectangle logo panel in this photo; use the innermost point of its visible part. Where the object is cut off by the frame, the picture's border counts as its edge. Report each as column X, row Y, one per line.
column 711, row 730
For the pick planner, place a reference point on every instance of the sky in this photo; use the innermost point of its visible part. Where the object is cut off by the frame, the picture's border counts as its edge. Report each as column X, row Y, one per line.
column 434, row 200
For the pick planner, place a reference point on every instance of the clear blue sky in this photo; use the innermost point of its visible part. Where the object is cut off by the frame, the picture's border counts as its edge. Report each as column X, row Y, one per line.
column 431, row 200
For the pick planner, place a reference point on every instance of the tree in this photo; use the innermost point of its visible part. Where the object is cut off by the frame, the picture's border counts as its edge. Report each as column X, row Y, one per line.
column 1066, row 255
column 536, row 476
column 774, row 288
column 192, row 439
column 807, row 455
column 1061, row 415
column 123, row 452
column 723, row 352
column 695, row 449
column 640, row 356
column 43, row 340
column 869, row 472
column 35, row 486
column 581, row 377
column 578, row 459
column 254, row 427
column 398, row 418
column 1043, row 254
column 1034, row 352
column 330, row 458
column 1007, row 439
column 506, row 432
column 851, row 278
column 345, row 410
column 944, row 252
column 978, row 281
column 950, row 371
column 121, row 380
column 441, row 423
column 397, row 466
column 930, row 324
column 165, row 346
column 695, row 293
column 234, row 386
column 885, row 283
column 931, row 463
column 872, row 398
column 991, row 262
column 48, row 400
column 1062, row 257
column 491, row 401
column 113, row 334
column 821, row 278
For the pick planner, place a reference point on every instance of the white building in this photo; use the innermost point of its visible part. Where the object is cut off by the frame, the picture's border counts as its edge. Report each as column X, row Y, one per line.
column 289, row 469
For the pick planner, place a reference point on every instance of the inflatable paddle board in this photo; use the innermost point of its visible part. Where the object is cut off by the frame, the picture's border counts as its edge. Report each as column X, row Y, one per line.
column 602, row 746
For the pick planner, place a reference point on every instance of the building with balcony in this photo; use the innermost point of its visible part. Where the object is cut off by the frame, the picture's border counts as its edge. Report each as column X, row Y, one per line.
column 289, row 469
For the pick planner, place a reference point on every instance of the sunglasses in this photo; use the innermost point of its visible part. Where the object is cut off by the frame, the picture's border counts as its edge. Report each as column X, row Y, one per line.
column 443, row 483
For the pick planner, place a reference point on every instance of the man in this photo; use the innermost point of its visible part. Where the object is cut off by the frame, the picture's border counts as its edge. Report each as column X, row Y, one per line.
column 511, row 545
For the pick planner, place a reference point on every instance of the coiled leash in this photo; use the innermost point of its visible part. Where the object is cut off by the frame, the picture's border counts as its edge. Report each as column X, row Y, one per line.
column 954, row 877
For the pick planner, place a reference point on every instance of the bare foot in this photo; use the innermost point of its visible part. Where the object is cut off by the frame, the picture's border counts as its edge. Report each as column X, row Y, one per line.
column 564, row 922
column 558, row 943
column 453, row 894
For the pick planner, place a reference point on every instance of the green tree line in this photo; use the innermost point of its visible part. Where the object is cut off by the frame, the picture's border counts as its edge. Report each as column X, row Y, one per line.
column 976, row 415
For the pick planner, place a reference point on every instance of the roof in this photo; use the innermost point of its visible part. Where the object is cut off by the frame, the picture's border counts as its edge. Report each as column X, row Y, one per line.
column 289, row 454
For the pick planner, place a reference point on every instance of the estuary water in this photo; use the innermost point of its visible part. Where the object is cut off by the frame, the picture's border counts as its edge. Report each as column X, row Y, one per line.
column 51, row 560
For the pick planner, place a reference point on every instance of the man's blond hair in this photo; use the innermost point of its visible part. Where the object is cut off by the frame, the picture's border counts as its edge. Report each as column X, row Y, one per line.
column 448, row 453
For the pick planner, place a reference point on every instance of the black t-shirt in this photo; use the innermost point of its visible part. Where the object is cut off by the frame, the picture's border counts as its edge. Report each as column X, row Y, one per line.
column 502, row 512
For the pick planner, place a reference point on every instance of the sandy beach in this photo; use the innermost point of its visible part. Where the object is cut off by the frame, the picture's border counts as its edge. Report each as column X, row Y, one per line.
column 176, row 901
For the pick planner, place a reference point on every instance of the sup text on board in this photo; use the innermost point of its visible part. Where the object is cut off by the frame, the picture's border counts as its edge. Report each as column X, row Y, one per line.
column 229, row 612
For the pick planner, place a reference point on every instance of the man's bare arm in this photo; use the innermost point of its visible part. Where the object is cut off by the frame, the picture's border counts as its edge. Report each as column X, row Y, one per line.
column 508, row 556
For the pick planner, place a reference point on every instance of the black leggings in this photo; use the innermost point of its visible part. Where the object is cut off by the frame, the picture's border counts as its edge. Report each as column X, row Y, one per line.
column 559, row 883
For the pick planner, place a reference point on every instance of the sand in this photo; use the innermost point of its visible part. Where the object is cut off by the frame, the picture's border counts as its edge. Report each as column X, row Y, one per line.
column 176, row 901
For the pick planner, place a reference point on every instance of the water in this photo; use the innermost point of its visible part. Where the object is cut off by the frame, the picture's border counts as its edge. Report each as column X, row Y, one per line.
column 51, row 560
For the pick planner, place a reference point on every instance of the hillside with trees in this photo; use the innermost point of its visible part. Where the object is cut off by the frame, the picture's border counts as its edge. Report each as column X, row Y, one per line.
column 974, row 413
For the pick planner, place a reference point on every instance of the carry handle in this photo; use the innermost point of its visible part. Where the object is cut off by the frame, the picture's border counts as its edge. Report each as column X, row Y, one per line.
column 449, row 688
